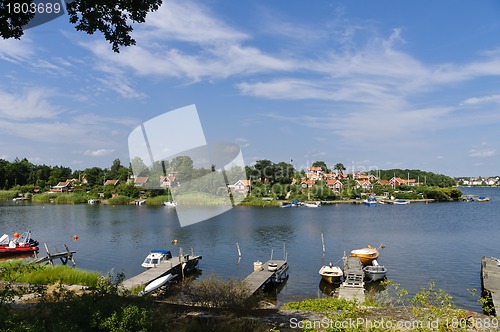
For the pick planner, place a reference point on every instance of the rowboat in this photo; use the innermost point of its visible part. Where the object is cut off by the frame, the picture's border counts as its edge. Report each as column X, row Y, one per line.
column 313, row 205
column 330, row 273
column 375, row 271
column 401, row 202
column 370, row 202
column 170, row 204
column 157, row 283
column 365, row 255
column 483, row 199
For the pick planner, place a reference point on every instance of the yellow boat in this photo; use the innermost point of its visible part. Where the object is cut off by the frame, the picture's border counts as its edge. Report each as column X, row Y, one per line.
column 483, row 199
column 330, row 273
column 365, row 255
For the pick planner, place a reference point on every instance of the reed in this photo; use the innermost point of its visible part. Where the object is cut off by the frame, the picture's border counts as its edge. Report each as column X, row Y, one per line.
column 120, row 200
column 43, row 198
column 19, row 271
column 158, row 200
column 8, row 194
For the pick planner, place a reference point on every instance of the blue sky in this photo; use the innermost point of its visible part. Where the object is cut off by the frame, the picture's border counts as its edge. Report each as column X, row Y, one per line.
column 372, row 84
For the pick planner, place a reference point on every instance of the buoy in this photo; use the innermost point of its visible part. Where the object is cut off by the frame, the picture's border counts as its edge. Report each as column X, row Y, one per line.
column 16, row 235
column 75, row 237
column 174, row 241
column 382, row 246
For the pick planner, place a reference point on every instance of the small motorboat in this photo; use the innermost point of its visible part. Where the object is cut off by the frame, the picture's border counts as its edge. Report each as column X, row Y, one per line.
column 330, row 273
column 155, row 257
column 312, row 205
column 365, row 255
column 170, row 204
column 375, row 271
column 370, row 202
column 483, row 199
column 157, row 283
column 20, row 244
column 469, row 199
column 401, row 202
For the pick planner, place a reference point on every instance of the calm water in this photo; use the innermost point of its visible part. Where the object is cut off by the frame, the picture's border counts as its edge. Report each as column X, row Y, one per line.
column 424, row 242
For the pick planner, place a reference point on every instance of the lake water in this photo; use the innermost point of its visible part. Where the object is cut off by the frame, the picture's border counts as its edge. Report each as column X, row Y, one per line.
column 440, row 242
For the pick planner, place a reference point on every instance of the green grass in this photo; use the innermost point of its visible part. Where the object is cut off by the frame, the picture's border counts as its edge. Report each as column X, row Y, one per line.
column 258, row 201
column 8, row 194
column 43, row 198
column 158, row 200
column 17, row 270
column 199, row 198
column 120, row 200
column 321, row 304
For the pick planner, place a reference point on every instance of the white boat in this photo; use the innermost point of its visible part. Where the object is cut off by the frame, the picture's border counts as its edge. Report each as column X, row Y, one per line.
column 375, row 271
column 155, row 257
column 157, row 283
column 272, row 266
column 370, row 202
column 401, row 202
column 170, row 204
column 313, row 205
column 330, row 273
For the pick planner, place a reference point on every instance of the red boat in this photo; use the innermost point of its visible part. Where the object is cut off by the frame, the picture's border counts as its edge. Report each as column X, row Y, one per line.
column 19, row 245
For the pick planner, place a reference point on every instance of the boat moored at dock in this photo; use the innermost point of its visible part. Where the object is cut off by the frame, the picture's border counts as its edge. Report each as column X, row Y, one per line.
column 20, row 244
column 365, row 255
column 375, row 271
column 155, row 257
column 331, row 274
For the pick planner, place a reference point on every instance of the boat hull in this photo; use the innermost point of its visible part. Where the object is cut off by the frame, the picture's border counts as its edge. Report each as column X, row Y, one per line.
column 331, row 274
column 374, row 273
column 365, row 255
column 18, row 250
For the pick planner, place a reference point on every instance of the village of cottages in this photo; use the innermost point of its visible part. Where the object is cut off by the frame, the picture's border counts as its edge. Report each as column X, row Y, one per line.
column 359, row 182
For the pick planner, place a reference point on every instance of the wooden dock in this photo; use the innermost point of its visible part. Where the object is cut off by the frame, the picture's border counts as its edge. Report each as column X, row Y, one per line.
column 63, row 256
column 353, row 287
column 490, row 280
column 176, row 265
column 258, row 279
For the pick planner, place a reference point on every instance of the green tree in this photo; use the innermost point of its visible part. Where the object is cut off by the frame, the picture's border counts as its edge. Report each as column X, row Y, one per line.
column 111, row 17
column 321, row 164
column 339, row 167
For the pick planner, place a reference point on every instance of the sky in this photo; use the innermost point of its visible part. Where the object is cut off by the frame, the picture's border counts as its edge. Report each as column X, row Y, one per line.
column 370, row 84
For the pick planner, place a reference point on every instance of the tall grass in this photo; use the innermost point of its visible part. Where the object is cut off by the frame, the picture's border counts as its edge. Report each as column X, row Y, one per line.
column 8, row 194
column 45, row 274
column 120, row 200
column 43, row 198
column 158, row 200
column 199, row 198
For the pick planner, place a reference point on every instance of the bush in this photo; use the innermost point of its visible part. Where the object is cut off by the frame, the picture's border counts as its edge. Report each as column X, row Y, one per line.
column 215, row 292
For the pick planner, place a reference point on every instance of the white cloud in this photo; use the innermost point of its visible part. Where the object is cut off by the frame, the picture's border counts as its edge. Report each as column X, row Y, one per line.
column 14, row 50
column 482, row 153
column 491, row 99
column 30, row 104
column 99, row 152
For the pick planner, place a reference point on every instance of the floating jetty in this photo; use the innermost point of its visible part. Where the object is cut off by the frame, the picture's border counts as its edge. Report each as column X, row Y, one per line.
column 261, row 276
column 353, row 287
column 490, row 280
column 179, row 265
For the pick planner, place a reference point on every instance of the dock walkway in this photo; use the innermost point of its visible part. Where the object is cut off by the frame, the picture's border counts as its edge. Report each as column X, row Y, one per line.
column 257, row 279
column 353, row 287
column 173, row 265
column 490, row 279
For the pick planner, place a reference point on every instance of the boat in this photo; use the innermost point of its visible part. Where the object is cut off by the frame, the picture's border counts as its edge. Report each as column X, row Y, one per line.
column 155, row 257
column 469, row 199
column 370, row 202
column 401, row 202
column 272, row 266
column 375, row 271
column 365, row 255
column 330, row 273
column 20, row 244
column 157, row 283
column 312, row 205
column 170, row 204
column 483, row 199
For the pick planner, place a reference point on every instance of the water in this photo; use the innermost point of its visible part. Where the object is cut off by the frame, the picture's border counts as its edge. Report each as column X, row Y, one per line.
column 441, row 242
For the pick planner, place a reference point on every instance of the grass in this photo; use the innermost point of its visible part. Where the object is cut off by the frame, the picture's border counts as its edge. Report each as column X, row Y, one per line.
column 19, row 271
column 8, row 194
column 158, row 200
column 321, row 304
column 199, row 198
column 120, row 200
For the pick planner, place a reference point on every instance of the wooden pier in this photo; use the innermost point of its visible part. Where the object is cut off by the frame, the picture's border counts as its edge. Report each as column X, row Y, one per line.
column 490, row 280
column 353, row 287
column 260, row 278
column 63, row 256
column 176, row 265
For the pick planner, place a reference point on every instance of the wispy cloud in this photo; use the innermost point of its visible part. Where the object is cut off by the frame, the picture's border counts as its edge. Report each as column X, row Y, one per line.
column 99, row 152
column 30, row 104
column 491, row 99
column 482, row 153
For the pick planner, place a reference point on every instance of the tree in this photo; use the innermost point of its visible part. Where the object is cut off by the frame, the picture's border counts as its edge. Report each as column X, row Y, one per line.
column 111, row 17
column 339, row 167
column 321, row 164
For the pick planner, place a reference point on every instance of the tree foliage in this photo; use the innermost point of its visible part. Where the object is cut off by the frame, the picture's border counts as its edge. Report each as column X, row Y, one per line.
column 112, row 18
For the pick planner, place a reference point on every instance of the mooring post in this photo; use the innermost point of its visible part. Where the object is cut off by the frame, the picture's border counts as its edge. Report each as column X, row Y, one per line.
column 48, row 254
column 323, row 243
column 238, row 247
